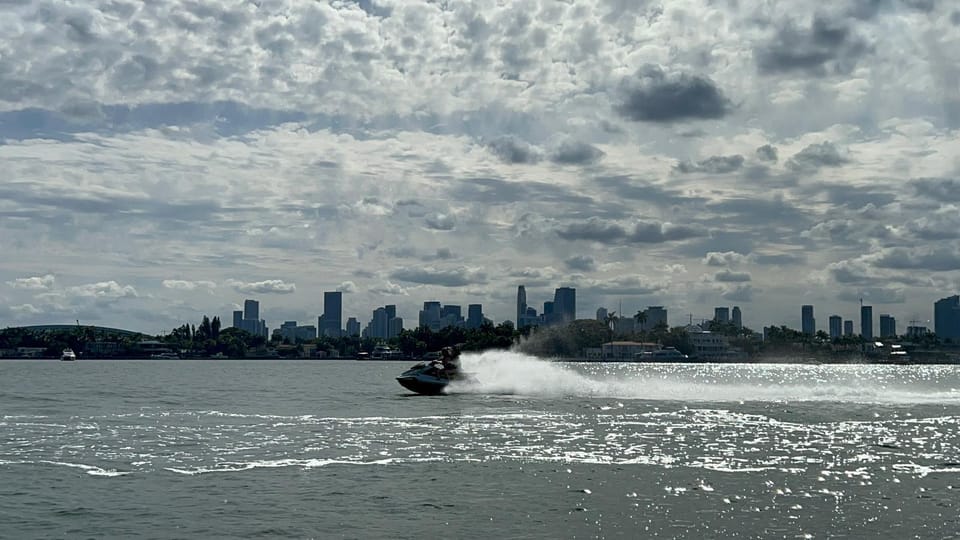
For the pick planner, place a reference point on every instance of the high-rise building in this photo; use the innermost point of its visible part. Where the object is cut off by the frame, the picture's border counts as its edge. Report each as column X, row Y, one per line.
column 332, row 325
column 656, row 316
column 521, row 306
column 565, row 304
column 721, row 314
column 306, row 333
column 251, row 310
column 602, row 314
column 807, row 323
column 866, row 322
column 737, row 317
column 946, row 318
column 848, row 327
column 353, row 327
column 288, row 331
column 888, row 326
column 836, row 326
column 474, row 316
column 237, row 319
column 430, row 315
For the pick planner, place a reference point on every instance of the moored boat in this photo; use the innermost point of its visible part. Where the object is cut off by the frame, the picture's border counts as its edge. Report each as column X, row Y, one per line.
column 68, row 355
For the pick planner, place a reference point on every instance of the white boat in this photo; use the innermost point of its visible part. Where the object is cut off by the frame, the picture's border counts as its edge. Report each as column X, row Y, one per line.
column 68, row 355
column 666, row 354
column 165, row 356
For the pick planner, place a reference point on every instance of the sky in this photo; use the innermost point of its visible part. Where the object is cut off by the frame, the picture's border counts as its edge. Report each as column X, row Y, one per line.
column 164, row 160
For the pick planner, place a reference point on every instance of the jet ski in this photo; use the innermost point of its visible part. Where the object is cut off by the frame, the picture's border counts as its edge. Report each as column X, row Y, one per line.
column 433, row 377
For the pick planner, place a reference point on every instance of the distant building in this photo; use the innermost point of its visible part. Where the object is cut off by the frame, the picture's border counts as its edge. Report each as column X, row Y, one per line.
column 332, row 325
column 656, row 316
column 521, row 306
column 602, row 314
column 306, row 333
column 866, row 322
column 946, row 318
column 888, row 326
column 430, row 315
column 737, row 317
column 252, row 322
column 237, row 319
column 251, row 310
column 626, row 350
column 848, row 328
column 474, row 316
column 721, row 314
column 353, row 327
column 565, row 304
column 384, row 324
column 808, row 325
column 914, row 332
column 288, row 331
column 836, row 326
column 707, row 344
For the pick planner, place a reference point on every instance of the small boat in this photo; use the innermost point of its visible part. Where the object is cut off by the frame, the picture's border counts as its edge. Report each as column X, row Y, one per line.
column 68, row 355
column 430, row 378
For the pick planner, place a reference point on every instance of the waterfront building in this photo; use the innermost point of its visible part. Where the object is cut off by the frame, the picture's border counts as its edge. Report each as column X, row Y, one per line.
column 946, row 318
column 848, row 327
column 836, row 326
column 737, row 317
column 706, row 344
column 866, row 322
column 332, row 325
column 808, row 325
column 888, row 326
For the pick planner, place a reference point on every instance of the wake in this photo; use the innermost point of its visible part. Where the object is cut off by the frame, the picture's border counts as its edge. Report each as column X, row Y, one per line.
column 514, row 373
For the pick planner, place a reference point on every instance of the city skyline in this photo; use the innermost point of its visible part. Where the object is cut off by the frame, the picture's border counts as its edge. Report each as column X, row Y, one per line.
column 687, row 154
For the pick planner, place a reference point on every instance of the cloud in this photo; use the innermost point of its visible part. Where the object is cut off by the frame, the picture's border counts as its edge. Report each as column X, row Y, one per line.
column 441, row 222
column 725, row 258
column 712, row 165
column 937, row 189
column 512, row 150
column 643, row 232
column 269, row 286
column 184, row 285
column 825, row 48
column 26, row 309
column 935, row 259
column 815, row 156
column 389, row 289
column 739, row 293
column 582, row 263
column 874, row 295
column 43, row 283
column 451, row 277
column 767, row 153
column 728, row 276
column 653, row 95
column 626, row 285
column 347, row 287
column 571, row 152
column 103, row 289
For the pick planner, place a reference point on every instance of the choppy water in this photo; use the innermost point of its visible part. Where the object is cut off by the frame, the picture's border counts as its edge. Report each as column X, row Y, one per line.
column 267, row 449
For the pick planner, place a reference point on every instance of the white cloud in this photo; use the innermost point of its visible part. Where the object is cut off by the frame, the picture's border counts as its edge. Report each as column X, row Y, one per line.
column 44, row 282
column 103, row 289
column 185, row 285
column 269, row 286
column 389, row 289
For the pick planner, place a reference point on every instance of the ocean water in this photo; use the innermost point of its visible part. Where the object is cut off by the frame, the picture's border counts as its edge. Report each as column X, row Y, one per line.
column 532, row 449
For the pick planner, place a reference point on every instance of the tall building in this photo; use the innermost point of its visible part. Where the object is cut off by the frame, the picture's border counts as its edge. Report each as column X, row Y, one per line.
column 288, row 331
column 251, row 310
column 946, row 318
column 737, row 317
column 848, row 327
column 866, row 322
column 474, row 316
column 721, row 314
column 430, row 315
column 602, row 314
column 353, row 327
column 888, row 326
column 808, row 325
column 836, row 326
column 521, row 306
column 332, row 324
column 565, row 304
column 237, row 319
column 656, row 316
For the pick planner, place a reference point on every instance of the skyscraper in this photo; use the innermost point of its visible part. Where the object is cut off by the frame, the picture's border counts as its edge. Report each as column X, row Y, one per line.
column 521, row 306
column 737, row 317
column 848, row 327
column 888, row 326
column 656, row 316
column 946, row 318
column 866, row 322
column 353, row 327
column 251, row 310
column 332, row 325
column 836, row 326
column 602, row 314
column 807, row 323
column 237, row 319
column 474, row 316
column 721, row 314
column 565, row 304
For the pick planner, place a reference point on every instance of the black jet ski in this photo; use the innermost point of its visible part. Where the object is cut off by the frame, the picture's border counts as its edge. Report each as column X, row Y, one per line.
column 430, row 378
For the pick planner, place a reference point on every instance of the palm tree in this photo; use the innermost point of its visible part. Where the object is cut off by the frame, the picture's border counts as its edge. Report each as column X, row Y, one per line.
column 641, row 318
column 609, row 320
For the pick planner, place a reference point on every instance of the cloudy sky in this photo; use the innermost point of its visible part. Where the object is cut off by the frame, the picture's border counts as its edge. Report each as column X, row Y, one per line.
column 166, row 159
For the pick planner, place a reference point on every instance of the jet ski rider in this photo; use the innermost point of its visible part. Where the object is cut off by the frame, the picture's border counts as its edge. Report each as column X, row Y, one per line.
column 449, row 360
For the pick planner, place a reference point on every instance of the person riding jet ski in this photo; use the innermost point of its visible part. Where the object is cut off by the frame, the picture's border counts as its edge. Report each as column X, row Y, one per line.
column 449, row 362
